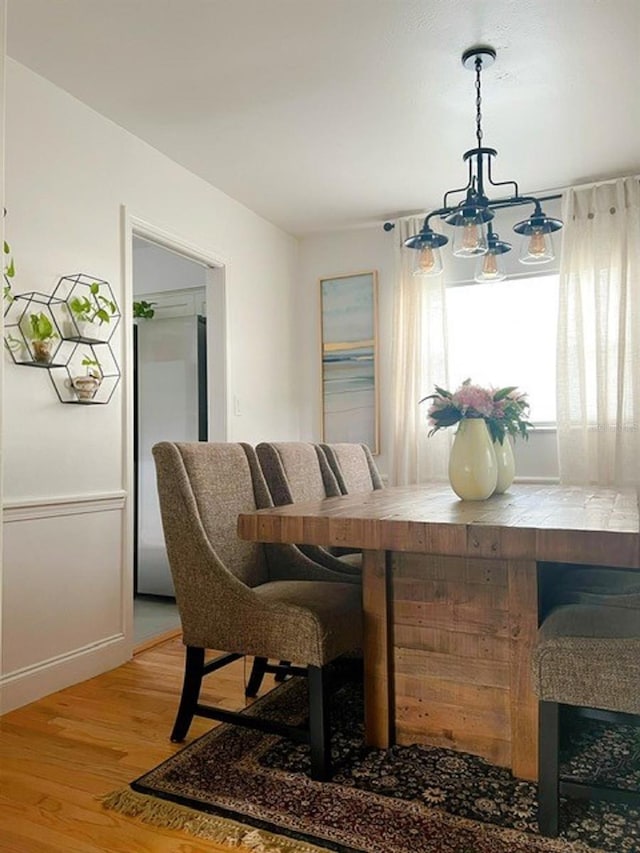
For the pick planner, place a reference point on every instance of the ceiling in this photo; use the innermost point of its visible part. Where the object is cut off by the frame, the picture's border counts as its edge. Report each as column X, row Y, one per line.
column 324, row 114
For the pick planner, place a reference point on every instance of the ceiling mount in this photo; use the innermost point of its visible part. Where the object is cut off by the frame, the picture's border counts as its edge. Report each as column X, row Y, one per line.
column 472, row 215
column 487, row 55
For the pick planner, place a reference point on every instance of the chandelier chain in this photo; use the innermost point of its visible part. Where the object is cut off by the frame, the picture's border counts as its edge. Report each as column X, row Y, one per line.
column 478, row 102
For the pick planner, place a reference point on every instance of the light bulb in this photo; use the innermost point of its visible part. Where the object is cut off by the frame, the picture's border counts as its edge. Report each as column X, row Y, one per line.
column 537, row 244
column 490, row 265
column 537, row 247
column 489, row 268
column 428, row 261
column 470, row 236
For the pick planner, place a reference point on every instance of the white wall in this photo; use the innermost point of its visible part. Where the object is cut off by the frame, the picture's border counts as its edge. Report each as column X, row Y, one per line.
column 69, row 172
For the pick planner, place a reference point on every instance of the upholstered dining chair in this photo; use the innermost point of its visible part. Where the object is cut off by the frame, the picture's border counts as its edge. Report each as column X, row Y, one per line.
column 245, row 598
column 579, row 584
column 353, row 467
column 587, row 657
column 298, row 471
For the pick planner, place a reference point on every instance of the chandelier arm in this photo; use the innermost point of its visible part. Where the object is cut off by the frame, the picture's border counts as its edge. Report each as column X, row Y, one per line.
column 515, row 201
column 500, row 183
column 464, row 189
column 498, row 203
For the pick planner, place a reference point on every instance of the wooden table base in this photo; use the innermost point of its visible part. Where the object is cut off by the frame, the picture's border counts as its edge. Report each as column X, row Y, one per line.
column 457, row 635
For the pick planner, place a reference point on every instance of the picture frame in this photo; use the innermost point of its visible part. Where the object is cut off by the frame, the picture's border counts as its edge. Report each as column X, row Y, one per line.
column 349, row 359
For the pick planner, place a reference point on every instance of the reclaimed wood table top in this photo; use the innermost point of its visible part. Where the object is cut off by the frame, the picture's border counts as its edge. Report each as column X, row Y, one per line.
column 573, row 524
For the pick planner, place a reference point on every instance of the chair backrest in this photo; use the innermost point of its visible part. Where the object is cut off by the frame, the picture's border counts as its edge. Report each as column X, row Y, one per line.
column 296, row 471
column 202, row 488
column 353, row 467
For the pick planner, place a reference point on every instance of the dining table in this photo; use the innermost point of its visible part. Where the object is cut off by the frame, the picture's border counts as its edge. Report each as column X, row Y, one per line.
column 451, row 595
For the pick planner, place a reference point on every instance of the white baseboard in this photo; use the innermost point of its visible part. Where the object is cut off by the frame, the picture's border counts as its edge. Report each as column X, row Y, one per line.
column 63, row 572
column 33, row 682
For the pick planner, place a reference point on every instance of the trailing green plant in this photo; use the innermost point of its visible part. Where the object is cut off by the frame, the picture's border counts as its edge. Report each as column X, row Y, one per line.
column 143, row 310
column 9, row 272
column 99, row 309
column 14, row 344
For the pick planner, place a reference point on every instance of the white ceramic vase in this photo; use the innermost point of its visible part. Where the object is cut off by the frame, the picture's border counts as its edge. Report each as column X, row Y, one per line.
column 506, row 464
column 473, row 470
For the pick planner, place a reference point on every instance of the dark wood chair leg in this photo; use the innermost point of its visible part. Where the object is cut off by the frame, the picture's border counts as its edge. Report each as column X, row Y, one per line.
column 548, row 768
column 281, row 675
column 255, row 679
column 319, row 729
column 193, row 673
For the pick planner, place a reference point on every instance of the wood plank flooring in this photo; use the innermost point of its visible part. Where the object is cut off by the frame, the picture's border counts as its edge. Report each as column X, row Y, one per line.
column 60, row 755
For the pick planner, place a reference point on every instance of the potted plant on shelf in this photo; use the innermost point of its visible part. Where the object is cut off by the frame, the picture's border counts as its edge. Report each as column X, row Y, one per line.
column 86, row 385
column 91, row 311
column 143, row 310
column 43, row 335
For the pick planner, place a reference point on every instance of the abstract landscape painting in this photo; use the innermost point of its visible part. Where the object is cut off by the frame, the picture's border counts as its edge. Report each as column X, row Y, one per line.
column 349, row 359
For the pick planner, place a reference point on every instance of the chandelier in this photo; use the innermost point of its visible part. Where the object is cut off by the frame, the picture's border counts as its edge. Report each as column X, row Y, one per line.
column 472, row 216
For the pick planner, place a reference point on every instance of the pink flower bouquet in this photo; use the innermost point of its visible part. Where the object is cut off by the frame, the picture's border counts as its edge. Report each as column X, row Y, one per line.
column 504, row 410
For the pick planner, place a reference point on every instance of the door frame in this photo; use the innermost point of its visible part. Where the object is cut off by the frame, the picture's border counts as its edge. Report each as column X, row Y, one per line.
column 217, row 380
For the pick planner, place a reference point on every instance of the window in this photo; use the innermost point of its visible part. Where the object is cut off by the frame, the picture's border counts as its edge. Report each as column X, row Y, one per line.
column 504, row 333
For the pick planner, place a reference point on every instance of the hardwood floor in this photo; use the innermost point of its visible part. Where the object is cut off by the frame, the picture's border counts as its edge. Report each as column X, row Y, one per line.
column 60, row 755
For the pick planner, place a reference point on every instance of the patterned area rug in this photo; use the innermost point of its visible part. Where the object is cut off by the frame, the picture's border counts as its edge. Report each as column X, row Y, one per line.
column 409, row 799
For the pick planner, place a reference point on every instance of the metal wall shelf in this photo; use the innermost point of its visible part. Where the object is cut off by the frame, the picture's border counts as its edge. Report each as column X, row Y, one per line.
column 67, row 333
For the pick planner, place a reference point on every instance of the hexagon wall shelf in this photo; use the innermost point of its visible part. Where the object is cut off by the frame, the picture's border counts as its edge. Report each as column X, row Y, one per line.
column 68, row 334
column 90, row 376
column 85, row 308
column 31, row 333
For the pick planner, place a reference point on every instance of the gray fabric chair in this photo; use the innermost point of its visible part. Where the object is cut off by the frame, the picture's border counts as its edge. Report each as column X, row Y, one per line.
column 246, row 598
column 594, row 585
column 353, row 467
column 587, row 657
column 298, row 471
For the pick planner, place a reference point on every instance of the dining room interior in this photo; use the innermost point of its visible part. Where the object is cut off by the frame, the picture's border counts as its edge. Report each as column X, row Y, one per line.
column 398, row 466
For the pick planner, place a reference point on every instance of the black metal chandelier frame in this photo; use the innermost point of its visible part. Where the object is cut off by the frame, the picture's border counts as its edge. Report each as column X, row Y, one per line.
column 477, row 209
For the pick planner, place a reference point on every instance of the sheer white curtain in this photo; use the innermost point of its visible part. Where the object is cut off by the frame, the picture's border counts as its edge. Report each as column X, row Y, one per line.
column 598, row 374
column 419, row 362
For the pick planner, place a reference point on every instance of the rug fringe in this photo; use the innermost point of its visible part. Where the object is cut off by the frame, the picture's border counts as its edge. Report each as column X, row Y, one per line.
column 223, row 831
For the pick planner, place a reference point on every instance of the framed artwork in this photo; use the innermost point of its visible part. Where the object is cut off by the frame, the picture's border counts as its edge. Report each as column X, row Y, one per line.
column 349, row 325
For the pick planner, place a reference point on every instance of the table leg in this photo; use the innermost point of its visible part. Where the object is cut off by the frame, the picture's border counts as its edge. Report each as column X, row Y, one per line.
column 523, row 626
column 378, row 704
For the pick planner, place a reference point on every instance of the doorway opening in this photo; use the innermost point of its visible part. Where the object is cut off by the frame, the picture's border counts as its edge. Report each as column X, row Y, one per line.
column 170, row 403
